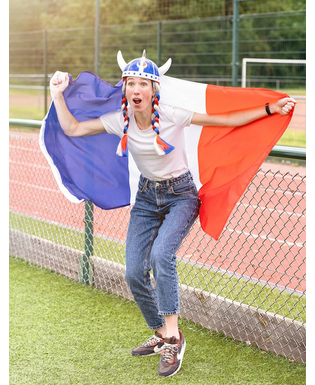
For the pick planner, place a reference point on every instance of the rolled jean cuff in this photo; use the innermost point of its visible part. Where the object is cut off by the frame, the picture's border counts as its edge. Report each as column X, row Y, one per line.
column 165, row 313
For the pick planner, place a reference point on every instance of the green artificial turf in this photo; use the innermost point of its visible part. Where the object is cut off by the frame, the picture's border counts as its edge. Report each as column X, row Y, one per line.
column 62, row 332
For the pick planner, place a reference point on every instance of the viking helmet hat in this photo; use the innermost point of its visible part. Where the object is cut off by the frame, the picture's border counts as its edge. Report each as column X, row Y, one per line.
column 142, row 67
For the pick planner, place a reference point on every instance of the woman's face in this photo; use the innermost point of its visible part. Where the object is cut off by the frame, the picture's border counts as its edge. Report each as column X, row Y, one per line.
column 139, row 93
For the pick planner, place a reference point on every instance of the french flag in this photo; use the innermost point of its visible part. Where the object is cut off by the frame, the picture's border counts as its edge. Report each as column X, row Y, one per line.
column 223, row 160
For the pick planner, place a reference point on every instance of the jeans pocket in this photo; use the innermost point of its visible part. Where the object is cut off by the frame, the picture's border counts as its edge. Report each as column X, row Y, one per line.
column 183, row 188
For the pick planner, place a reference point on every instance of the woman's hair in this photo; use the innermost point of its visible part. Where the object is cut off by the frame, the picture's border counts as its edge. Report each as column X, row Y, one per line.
column 161, row 147
column 122, row 148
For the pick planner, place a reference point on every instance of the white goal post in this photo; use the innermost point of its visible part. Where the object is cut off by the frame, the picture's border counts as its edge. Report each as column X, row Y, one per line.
column 279, row 61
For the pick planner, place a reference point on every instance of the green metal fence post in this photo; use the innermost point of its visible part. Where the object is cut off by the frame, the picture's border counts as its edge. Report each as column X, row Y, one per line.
column 86, row 265
column 45, row 71
column 235, row 42
column 159, row 43
column 97, row 37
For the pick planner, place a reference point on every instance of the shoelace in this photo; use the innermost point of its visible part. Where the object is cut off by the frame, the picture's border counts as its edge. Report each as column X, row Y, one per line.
column 152, row 340
column 169, row 352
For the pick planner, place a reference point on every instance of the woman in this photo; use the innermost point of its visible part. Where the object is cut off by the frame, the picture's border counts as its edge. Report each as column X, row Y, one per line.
column 167, row 201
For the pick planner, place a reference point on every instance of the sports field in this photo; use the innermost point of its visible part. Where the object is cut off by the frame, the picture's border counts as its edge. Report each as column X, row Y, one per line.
column 62, row 332
column 97, row 357
column 243, row 297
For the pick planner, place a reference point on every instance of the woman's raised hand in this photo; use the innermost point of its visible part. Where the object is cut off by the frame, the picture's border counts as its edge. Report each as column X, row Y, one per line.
column 58, row 83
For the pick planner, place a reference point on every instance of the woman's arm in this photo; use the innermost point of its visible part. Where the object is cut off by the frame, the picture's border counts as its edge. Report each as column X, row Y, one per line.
column 70, row 125
column 239, row 118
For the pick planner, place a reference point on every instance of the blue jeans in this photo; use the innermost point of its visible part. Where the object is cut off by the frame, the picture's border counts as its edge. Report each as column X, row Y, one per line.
column 160, row 219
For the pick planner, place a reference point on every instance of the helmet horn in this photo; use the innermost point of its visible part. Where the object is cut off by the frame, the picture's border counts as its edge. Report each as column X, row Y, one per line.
column 165, row 67
column 121, row 62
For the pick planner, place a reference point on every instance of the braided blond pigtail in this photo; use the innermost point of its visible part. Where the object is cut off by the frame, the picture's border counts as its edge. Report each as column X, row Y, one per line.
column 122, row 149
column 161, row 147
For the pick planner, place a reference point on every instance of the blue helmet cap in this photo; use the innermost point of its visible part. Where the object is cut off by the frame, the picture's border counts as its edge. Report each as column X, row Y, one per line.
column 142, row 67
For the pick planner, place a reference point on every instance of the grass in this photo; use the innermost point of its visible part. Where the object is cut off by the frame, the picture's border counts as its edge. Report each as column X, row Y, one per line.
column 293, row 138
column 36, row 111
column 62, row 332
column 215, row 282
column 294, row 92
column 26, row 112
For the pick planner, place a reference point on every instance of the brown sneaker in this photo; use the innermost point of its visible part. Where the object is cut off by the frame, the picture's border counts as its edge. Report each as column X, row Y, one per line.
column 172, row 355
column 152, row 346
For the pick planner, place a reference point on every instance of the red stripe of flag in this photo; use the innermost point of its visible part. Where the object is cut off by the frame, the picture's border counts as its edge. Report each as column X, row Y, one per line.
column 230, row 157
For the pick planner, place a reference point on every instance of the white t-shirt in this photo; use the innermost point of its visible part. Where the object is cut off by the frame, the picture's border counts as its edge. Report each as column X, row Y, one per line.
column 140, row 142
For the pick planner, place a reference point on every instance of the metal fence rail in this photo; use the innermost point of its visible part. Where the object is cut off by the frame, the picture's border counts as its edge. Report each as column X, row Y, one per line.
column 250, row 284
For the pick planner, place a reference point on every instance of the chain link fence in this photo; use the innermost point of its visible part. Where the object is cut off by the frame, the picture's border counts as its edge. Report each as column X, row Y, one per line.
column 202, row 50
column 249, row 285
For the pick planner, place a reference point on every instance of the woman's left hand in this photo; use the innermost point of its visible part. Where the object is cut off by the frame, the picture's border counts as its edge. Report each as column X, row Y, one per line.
column 283, row 106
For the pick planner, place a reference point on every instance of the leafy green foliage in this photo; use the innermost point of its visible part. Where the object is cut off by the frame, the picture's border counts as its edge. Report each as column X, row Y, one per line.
column 56, row 14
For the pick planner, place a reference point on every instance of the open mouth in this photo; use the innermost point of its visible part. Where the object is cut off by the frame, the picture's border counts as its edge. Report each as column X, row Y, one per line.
column 137, row 101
